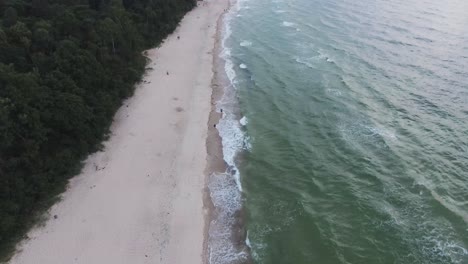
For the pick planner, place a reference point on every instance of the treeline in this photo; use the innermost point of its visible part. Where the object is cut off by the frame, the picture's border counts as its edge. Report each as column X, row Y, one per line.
column 65, row 67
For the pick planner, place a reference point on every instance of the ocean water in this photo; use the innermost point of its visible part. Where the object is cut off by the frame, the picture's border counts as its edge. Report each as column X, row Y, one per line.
column 345, row 129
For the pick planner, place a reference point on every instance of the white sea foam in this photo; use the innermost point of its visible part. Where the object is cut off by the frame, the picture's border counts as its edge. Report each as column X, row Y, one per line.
column 359, row 134
column 427, row 237
column 238, row 7
column 246, row 43
column 243, row 121
column 243, row 66
column 225, row 188
column 247, row 240
column 311, row 61
column 451, row 205
column 227, row 200
column 247, row 143
column 385, row 133
column 306, row 62
column 323, row 55
column 279, row 11
column 288, row 24
column 335, row 92
column 233, row 141
column 228, row 127
column 226, row 52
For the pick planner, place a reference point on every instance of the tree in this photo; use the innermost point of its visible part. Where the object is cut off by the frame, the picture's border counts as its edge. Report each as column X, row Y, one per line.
column 20, row 34
column 40, row 7
column 98, row 5
column 128, row 4
column 3, row 37
column 2, row 5
column 95, row 4
column 107, row 29
column 64, row 71
column 10, row 17
column 41, row 38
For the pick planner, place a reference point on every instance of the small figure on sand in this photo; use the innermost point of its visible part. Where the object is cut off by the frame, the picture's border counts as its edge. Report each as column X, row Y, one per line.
column 167, row 73
column 178, row 37
column 214, row 125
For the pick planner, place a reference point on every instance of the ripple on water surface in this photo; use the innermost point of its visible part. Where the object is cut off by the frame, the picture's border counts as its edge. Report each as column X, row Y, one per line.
column 356, row 140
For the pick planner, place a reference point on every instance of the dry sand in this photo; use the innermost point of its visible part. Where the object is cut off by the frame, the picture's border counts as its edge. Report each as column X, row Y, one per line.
column 141, row 199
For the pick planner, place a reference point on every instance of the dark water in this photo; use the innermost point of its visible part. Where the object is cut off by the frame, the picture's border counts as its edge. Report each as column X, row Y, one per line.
column 357, row 129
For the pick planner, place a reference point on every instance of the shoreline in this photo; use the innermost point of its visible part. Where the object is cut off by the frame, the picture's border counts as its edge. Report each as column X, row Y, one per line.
column 232, row 239
column 143, row 198
column 215, row 161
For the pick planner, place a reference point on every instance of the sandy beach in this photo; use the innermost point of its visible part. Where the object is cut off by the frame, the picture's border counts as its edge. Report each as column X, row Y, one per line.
column 141, row 200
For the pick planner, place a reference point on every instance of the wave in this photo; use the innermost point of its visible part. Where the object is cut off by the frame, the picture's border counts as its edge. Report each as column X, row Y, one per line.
column 225, row 188
column 361, row 134
column 449, row 205
column 311, row 61
column 245, row 43
column 363, row 75
column 432, row 239
column 334, row 92
column 243, row 121
column 290, row 25
column 227, row 200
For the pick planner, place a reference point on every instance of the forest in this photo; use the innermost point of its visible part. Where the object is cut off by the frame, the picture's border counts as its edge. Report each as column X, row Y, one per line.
column 65, row 67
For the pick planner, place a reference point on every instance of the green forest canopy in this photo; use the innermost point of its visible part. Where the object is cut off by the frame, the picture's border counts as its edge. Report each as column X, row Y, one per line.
column 65, row 67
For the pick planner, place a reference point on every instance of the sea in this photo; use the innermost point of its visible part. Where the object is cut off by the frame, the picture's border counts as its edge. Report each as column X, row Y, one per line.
column 345, row 132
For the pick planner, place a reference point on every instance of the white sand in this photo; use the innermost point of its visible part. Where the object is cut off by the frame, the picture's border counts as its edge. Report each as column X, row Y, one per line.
column 141, row 199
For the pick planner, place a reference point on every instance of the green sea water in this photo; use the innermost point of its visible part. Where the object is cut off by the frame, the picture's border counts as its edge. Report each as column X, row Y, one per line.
column 354, row 129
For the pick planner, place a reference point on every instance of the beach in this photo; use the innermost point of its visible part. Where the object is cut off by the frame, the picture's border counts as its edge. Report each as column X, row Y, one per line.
column 143, row 199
